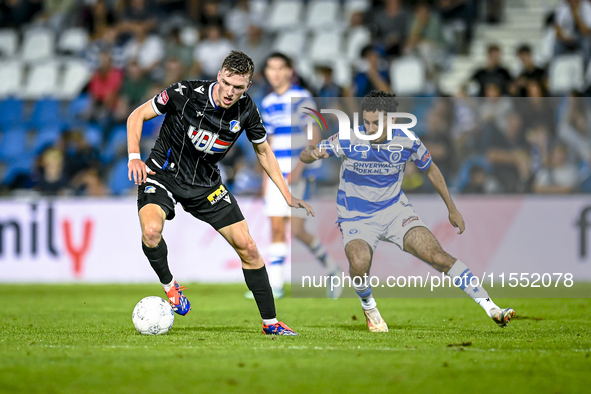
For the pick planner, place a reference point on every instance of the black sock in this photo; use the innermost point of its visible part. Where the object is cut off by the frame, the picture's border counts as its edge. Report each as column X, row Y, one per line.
column 158, row 260
column 258, row 282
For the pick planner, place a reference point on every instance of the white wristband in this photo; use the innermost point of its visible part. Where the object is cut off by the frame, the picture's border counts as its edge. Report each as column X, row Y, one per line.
column 133, row 156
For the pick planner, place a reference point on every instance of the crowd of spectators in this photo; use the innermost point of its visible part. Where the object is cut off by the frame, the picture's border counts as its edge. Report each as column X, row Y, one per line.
column 513, row 139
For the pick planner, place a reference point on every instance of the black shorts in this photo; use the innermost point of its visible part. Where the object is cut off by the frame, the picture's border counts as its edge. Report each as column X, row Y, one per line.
column 214, row 205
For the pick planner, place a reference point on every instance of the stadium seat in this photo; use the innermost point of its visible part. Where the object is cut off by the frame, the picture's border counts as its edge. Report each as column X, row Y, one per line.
column 76, row 75
column 285, row 14
column 42, row 81
column 323, row 15
column 291, row 43
column 13, row 143
column 117, row 138
column 566, row 73
column 326, row 46
column 12, row 111
column 352, row 6
column 258, row 7
column 407, row 75
column 46, row 136
column 94, row 134
column 356, row 39
column 119, row 183
column 8, row 43
column 73, row 41
column 75, row 109
column 38, row 44
column 189, row 36
column 342, row 71
column 22, row 165
column 11, row 75
column 46, row 113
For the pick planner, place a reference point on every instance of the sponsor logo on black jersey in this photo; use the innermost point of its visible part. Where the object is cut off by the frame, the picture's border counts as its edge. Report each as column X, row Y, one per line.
column 220, row 193
column 206, row 141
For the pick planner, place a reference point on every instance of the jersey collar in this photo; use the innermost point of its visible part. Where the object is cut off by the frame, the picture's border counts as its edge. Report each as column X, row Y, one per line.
column 211, row 96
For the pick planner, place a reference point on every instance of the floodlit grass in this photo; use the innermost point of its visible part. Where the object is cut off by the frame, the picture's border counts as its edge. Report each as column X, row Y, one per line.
column 80, row 339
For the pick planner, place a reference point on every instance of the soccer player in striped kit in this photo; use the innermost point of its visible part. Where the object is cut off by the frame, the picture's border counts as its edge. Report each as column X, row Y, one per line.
column 372, row 207
column 286, row 126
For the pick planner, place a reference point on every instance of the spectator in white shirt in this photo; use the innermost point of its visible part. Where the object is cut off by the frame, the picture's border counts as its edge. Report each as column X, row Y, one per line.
column 572, row 23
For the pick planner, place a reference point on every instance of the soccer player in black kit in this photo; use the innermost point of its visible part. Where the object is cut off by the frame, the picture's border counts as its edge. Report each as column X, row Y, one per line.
column 203, row 120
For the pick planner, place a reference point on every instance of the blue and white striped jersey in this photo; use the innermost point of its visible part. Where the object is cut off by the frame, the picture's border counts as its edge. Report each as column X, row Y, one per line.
column 287, row 128
column 371, row 174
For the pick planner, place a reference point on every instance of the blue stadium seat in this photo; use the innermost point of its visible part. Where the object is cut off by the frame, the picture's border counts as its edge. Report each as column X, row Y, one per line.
column 93, row 134
column 118, row 136
column 119, row 183
column 152, row 126
column 12, row 111
column 13, row 143
column 46, row 136
column 47, row 112
column 463, row 175
column 76, row 108
column 22, row 165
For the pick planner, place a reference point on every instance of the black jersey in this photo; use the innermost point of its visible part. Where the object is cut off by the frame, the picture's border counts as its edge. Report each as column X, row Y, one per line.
column 196, row 133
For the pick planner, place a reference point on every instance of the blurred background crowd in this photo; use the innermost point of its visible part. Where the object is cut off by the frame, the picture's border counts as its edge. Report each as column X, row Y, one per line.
column 500, row 87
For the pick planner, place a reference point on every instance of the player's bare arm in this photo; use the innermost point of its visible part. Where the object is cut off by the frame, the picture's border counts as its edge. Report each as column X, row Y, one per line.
column 313, row 153
column 269, row 163
column 436, row 178
column 137, row 168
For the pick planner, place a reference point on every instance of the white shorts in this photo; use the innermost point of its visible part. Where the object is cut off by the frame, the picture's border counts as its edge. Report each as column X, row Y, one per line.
column 390, row 225
column 275, row 204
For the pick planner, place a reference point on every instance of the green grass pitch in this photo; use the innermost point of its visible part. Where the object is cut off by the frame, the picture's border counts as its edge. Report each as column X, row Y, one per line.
column 80, row 339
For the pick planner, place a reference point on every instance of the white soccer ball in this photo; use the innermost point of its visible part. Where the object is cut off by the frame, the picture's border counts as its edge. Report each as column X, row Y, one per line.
column 152, row 316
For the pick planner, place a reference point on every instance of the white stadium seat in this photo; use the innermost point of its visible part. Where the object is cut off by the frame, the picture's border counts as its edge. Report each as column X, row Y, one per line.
column 407, row 75
column 11, row 75
column 566, row 73
column 342, row 72
column 326, row 46
column 76, row 75
column 38, row 44
column 42, row 81
column 352, row 6
column 291, row 43
column 73, row 40
column 285, row 14
column 323, row 15
column 8, row 42
column 357, row 38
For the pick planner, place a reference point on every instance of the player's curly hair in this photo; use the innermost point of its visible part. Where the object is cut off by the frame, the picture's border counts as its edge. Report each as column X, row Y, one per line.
column 238, row 63
column 378, row 100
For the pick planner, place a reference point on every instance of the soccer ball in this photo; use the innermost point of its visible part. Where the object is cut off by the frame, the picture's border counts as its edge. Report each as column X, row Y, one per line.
column 152, row 316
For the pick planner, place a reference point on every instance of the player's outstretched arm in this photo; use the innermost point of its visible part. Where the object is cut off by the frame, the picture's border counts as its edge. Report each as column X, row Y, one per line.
column 313, row 153
column 269, row 163
column 136, row 167
column 436, row 178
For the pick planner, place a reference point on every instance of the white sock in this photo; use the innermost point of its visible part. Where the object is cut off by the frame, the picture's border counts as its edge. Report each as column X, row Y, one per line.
column 365, row 296
column 168, row 286
column 267, row 322
column 462, row 275
column 277, row 252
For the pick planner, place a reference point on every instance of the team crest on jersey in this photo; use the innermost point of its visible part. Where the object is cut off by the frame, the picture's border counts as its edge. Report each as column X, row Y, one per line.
column 353, row 231
column 395, row 157
column 162, row 98
column 206, row 141
column 150, row 190
column 234, row 126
